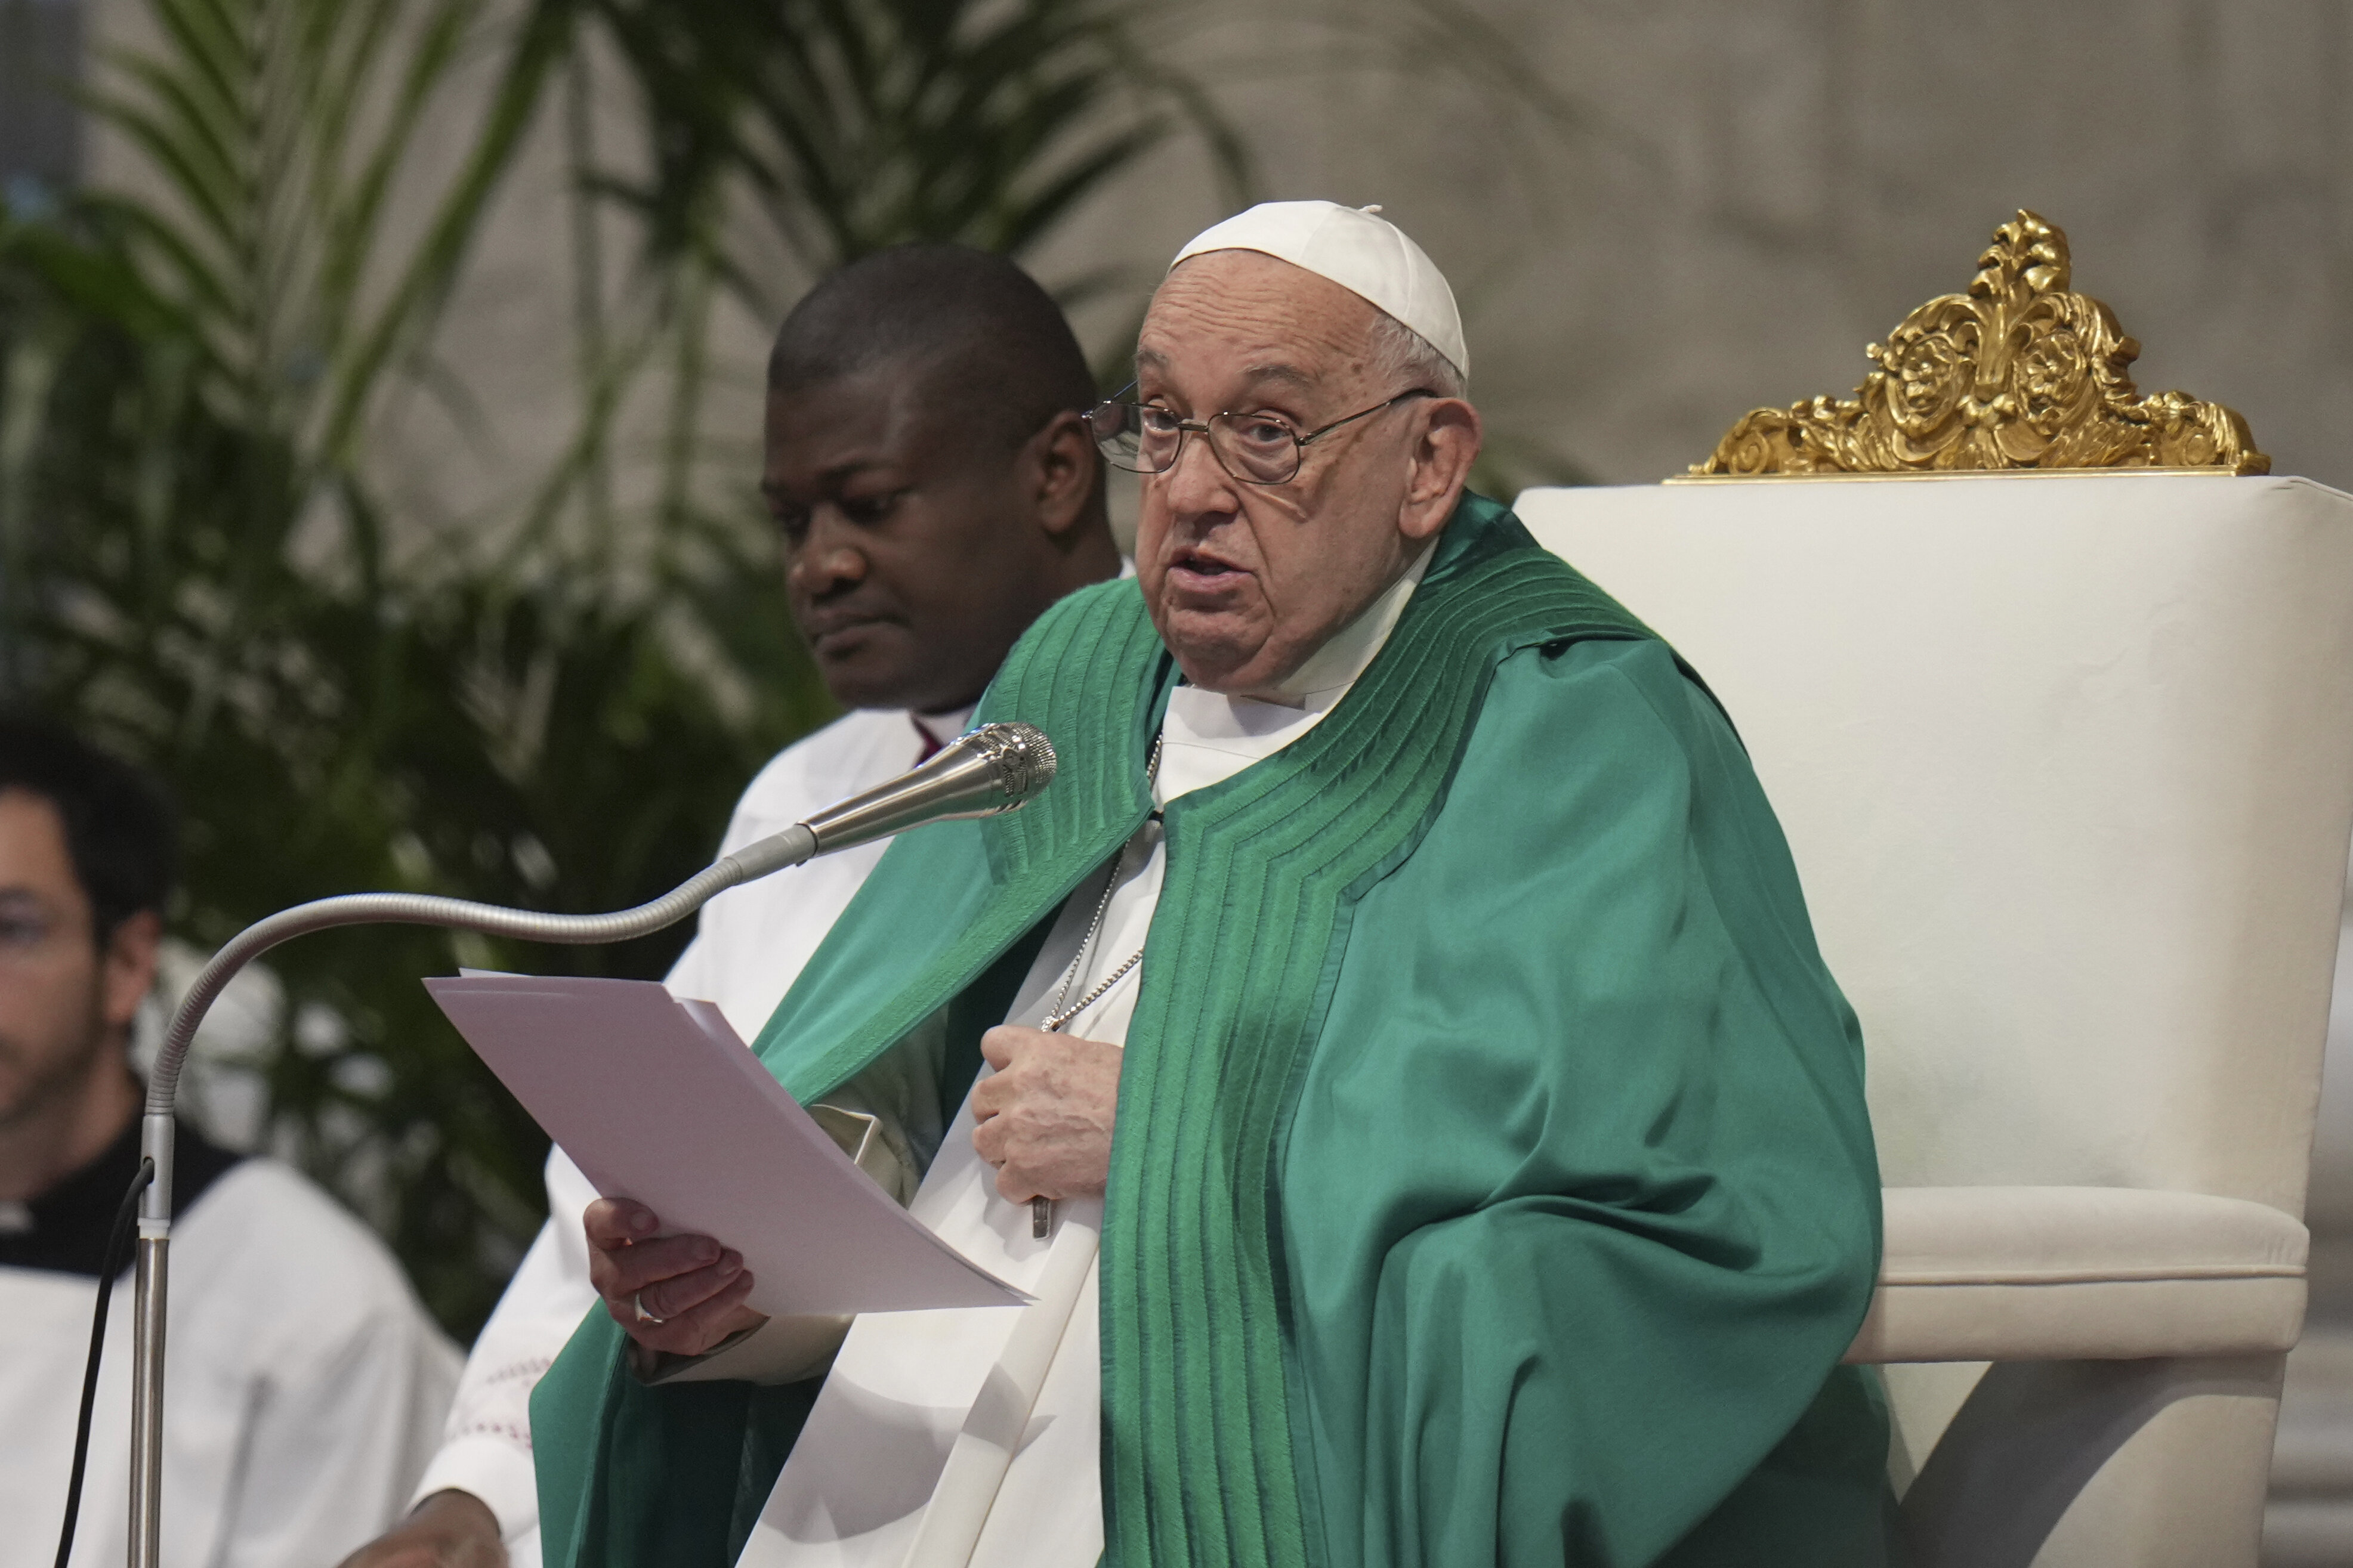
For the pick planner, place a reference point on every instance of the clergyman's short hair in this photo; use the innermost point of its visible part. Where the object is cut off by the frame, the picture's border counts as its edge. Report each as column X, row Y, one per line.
column 120, row 832
column 975, row 326
column 1407, row 360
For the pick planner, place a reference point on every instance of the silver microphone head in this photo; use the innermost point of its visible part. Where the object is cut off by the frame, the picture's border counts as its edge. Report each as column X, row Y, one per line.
column 1023, row 757
column 996, row 768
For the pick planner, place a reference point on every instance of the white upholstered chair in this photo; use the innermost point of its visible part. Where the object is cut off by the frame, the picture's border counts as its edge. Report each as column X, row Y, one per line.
column 2066, row 763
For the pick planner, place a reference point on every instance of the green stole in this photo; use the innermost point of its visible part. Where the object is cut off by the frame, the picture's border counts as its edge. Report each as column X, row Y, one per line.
column 1264, row 870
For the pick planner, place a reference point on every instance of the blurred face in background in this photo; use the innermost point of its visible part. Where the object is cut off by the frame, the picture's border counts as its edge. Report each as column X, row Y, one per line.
column 67, row 999
column 919, row 539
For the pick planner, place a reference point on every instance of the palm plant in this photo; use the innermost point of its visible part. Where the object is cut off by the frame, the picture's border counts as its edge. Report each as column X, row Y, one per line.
column 854, row 125
column 814, row 131
column 200, row 571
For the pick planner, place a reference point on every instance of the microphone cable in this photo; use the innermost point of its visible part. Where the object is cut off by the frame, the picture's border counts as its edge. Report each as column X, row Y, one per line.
column 113, row 1262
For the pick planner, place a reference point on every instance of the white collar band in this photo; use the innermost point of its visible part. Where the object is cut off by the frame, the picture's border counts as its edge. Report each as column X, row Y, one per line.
column 1346, row 654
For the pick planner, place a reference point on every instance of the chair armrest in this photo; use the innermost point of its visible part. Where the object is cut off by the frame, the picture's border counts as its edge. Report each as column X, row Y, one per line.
column 2081, row 1273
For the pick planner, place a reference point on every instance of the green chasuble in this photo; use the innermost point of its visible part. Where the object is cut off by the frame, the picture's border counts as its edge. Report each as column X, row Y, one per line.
column 1491, row 1183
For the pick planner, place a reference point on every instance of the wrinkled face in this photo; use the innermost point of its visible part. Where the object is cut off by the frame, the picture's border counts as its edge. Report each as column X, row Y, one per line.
column 64, row 1003
column 909, row 538
column 1245, row 582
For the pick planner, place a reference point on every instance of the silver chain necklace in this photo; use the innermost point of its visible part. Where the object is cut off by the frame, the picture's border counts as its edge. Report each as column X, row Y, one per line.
column 1062, row 1015
column 1042, row 1210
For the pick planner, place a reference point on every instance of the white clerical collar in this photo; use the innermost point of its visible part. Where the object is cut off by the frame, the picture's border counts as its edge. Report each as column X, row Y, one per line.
column 1334, row 667
column 1207, row 737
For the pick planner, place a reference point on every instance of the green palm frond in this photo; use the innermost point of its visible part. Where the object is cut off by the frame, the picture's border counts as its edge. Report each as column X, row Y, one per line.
column 855, row 125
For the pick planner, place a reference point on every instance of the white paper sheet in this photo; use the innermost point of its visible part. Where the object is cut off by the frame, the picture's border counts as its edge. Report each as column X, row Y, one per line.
column 658, row 1100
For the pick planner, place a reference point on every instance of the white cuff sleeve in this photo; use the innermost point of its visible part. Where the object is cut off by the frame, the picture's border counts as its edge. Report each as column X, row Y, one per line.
column 490, row 1469
column 486, row 1447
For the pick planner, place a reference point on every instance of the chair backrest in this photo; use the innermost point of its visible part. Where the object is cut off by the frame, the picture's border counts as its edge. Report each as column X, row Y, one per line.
column 2066, row 763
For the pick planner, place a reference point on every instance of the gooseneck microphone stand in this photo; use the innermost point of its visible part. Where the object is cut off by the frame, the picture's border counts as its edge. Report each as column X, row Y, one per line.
column 996, row 768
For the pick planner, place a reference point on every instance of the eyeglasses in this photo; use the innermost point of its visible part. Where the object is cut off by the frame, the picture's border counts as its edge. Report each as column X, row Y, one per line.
column 1256, row 449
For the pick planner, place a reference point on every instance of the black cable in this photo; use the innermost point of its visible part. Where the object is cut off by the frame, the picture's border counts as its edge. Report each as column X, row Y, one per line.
column 116, row 1259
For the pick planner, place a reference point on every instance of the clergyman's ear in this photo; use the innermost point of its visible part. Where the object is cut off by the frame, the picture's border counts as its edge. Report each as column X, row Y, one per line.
column 1060, row 467
column 1443, row 450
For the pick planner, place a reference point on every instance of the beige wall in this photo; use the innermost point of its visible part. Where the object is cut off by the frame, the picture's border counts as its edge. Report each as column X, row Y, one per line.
column 1752, row 192
column 1765, row 185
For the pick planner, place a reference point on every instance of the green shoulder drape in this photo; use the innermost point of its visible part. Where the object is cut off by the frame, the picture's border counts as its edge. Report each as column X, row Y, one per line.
column 1493, row 1181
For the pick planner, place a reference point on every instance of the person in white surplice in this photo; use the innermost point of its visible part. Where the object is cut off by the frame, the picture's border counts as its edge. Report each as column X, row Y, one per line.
column 936, row 489
column 306, row 1380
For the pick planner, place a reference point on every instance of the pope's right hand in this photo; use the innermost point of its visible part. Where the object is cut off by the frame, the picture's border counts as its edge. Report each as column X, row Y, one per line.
column 692, row 1284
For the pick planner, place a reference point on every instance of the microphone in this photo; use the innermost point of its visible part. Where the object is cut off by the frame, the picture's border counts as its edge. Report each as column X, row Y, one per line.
column 994, row 769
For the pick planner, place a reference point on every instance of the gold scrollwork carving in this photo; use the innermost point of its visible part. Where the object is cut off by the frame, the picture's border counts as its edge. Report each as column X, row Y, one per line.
column 2018, row 372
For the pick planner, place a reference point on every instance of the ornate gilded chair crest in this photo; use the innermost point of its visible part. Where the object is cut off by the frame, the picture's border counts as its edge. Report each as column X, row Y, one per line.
column 2018, row 372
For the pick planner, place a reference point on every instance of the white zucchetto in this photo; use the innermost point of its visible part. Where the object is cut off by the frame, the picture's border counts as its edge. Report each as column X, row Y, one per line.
column 1359, row 251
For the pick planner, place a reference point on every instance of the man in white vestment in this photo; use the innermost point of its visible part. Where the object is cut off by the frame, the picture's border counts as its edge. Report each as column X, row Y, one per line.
column 306, row 1383
column 930, row 469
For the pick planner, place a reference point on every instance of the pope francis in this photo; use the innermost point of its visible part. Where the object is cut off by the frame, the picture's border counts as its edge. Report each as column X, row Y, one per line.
column 1393, row 1056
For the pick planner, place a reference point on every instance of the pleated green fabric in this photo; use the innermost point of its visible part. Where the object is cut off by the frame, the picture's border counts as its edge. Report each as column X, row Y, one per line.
column 1250, row 1343
column 1259, row 871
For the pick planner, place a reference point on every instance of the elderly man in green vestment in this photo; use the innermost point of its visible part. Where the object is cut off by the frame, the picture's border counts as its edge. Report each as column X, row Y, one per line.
column 1393, row 1054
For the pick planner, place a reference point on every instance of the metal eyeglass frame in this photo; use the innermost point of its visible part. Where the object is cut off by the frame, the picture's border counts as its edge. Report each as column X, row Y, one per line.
column 1299, row 444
